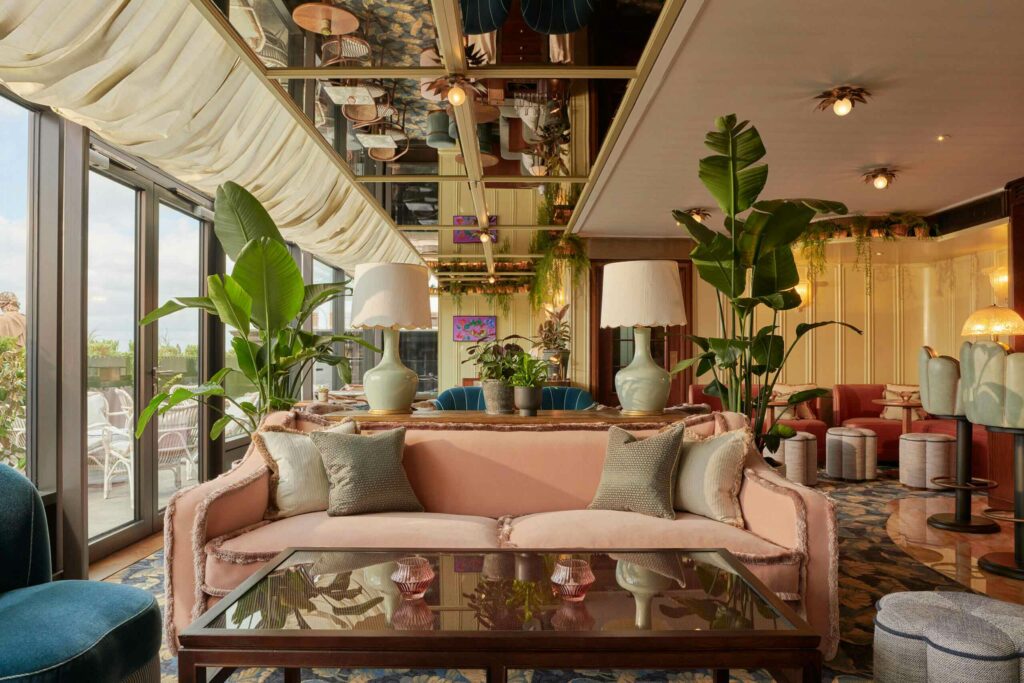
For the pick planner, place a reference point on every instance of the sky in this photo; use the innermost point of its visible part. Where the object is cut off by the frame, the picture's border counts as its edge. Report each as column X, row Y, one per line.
column 14, row 132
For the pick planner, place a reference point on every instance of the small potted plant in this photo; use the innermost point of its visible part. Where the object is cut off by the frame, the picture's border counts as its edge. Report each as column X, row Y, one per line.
column 528, row 383
column 553, row 339
column 322, row 391
column 496, row 362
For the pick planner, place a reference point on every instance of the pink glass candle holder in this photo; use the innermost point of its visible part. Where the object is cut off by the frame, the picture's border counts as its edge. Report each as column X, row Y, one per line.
column 413, row 576
column 572, row 579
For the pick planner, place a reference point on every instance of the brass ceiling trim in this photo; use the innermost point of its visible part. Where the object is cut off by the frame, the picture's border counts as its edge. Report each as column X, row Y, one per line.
column 499, row 257
column 220, row 23
column 432, row 72
column 453, row 275
column 453, row 228
column 666, row 21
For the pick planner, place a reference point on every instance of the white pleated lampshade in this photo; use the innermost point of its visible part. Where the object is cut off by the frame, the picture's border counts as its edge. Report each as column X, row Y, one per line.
column 642, row 294
column 392, row 295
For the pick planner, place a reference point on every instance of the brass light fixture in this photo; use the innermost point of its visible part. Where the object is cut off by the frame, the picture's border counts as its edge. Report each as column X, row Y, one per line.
column 842, row 99
column 699, row 214
column 881, row 178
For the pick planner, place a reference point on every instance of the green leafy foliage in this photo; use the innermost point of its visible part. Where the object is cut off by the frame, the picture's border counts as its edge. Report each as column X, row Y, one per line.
column 264, row 304
column 496, row 359
column 529, row 371
column 750, row 264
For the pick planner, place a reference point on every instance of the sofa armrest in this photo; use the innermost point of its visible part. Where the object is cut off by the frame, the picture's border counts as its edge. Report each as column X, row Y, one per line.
column 804, row 520
column 232, row 501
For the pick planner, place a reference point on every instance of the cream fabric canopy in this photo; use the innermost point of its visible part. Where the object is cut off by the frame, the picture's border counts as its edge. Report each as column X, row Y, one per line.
column 155, row 79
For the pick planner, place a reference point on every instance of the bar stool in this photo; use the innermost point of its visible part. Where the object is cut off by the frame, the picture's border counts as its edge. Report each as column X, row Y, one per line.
column 992, row 386
column 941, row 397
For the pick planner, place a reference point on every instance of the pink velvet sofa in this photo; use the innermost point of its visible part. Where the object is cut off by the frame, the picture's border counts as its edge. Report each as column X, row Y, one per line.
column 491, row 487
column 817, row 427
column 852, row 406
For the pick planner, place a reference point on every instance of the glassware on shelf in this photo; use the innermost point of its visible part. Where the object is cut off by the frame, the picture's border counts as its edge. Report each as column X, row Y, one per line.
column 571, row 579
column 413, row 576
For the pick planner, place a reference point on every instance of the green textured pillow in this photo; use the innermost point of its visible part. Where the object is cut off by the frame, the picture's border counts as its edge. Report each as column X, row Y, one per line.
column 639, row 475
column 365, row 473
column 710, row 475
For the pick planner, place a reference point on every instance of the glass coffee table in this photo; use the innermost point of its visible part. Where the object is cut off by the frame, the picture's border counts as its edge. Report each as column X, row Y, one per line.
column 501, row 610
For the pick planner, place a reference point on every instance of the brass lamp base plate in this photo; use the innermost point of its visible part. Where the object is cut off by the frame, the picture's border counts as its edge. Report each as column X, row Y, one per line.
column 402, row 411
column 641, row 413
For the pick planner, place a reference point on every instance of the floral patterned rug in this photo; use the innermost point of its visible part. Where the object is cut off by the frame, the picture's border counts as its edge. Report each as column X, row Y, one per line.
column 870, row 566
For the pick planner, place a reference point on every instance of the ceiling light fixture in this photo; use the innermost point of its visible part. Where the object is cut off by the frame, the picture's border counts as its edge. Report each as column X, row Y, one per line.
column 842, row 99
column 881, row 178
column 942, row 137
column 485, row 236
column 698, row 214
column 456, row 96
column 492, row 279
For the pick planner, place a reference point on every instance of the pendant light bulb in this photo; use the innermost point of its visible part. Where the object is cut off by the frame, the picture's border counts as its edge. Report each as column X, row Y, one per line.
column 456, row 96
column 842, row 106
column 880, row 181
column 485, row 237
column 491, row 280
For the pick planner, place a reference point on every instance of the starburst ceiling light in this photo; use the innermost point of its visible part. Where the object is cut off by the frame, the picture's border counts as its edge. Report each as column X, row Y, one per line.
column 881, row 178
column 842, row 99
column 699, row 214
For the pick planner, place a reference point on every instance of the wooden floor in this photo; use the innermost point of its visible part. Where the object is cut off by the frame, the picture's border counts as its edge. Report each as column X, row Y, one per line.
column 125, row 557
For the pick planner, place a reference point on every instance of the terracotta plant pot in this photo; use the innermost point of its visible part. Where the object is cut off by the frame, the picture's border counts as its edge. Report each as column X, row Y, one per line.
column 498, row 397
column 528, row 400
column 899, row 230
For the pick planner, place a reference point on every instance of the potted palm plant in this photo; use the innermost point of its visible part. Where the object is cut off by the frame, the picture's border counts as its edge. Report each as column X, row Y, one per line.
column 528, row 383
column 265, row 305
column 495, row 361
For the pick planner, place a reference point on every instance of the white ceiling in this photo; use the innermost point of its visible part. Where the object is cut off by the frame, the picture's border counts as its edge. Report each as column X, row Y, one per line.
column 933, row 66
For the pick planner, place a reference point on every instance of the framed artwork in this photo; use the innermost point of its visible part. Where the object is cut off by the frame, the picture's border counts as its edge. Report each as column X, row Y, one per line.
column 471, row 328
column 469, row 236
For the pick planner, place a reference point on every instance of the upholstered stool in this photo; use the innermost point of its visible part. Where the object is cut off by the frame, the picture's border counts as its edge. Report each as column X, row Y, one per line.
column 924, row 457
column 799, row 457
column 935, row 637
column 851, row 453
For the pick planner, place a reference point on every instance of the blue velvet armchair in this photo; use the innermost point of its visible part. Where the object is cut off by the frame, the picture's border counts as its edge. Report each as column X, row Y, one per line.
column 554, row 398
column 65, row 630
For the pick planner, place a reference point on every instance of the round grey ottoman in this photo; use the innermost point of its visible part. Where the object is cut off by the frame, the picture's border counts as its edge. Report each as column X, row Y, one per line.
column 851, row 453
column 933, row 637
column 799, row 456
column 924, row 457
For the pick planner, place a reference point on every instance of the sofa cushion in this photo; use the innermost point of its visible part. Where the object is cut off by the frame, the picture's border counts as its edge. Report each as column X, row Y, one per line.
column 232, row 558
column 638, row 474
column 710, row 475
column 778, row 567
column 77, row 631
column 801, row 411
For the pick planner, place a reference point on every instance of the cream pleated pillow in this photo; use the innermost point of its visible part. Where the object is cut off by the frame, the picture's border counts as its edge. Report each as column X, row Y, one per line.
column 298, row 480
column 710, row 475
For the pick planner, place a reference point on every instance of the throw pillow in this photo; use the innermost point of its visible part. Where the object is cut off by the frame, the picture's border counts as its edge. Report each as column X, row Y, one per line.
column 298, row 480
column 901, row 392
column 365, row 473
column 710, row 475
column 801, row 411
column 638, row 474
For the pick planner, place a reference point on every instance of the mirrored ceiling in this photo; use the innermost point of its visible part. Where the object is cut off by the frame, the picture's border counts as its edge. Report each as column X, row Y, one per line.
column 416, row 94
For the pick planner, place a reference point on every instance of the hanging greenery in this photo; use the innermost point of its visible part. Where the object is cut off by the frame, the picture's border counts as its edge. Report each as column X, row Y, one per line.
column 563, row 261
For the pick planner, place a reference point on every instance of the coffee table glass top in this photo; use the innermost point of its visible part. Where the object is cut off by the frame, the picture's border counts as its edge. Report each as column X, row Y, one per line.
column 608, row 592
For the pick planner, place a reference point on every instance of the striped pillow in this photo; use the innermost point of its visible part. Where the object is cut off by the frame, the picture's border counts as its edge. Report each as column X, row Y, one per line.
column 710, row 474
column 298, row 480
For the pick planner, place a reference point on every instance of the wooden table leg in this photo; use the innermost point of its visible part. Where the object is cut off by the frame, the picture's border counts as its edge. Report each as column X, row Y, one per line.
column 908, row 413
column 188, row 672
column 292, row 675
column 496, row 673
column 720, row 675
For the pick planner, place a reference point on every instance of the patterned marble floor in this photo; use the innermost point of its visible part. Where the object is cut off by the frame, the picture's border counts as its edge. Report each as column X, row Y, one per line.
column 879, row 554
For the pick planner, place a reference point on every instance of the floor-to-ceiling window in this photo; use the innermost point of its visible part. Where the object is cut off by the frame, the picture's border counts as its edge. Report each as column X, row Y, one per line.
column 110, row 402
column 15, row 140
column 327, row 319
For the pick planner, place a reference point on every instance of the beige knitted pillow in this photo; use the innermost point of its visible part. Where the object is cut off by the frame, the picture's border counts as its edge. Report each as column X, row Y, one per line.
column 801, row 411
column 366, row 473
column 710, row 475
column 902, row 392
column 638, row 475
column 298, row 480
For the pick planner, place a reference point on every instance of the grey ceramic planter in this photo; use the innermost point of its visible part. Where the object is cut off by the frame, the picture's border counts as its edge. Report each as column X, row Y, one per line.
column 498, row 398
column 528, row 400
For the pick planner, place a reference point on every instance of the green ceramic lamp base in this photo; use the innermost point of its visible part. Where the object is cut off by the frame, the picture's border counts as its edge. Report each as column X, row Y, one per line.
column 643, row 385
column 391, row 386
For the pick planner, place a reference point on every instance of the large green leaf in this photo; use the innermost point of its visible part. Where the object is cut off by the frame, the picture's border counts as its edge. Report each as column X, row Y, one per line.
column 804, row 328
column 785, row 300
column 714, row 263
column 249, row 358
column 234, row 305
column 728, row 185
column 774, row 272
column 819, row 206
column 239, row 218
column 266, row 271
column 179, row 304
column 698, row 231
column 767, row 228
column 769, row 350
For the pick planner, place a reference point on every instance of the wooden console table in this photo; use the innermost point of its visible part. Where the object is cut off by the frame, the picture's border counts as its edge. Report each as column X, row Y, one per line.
column 543, row 417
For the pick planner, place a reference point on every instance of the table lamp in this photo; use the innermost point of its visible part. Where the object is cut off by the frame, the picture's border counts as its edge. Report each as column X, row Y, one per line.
column 993, row 320
column 642, row 295
column 390, row 297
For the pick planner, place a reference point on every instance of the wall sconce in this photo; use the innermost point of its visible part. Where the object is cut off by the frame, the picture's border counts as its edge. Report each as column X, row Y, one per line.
column 804, row 290
column 999, row 278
